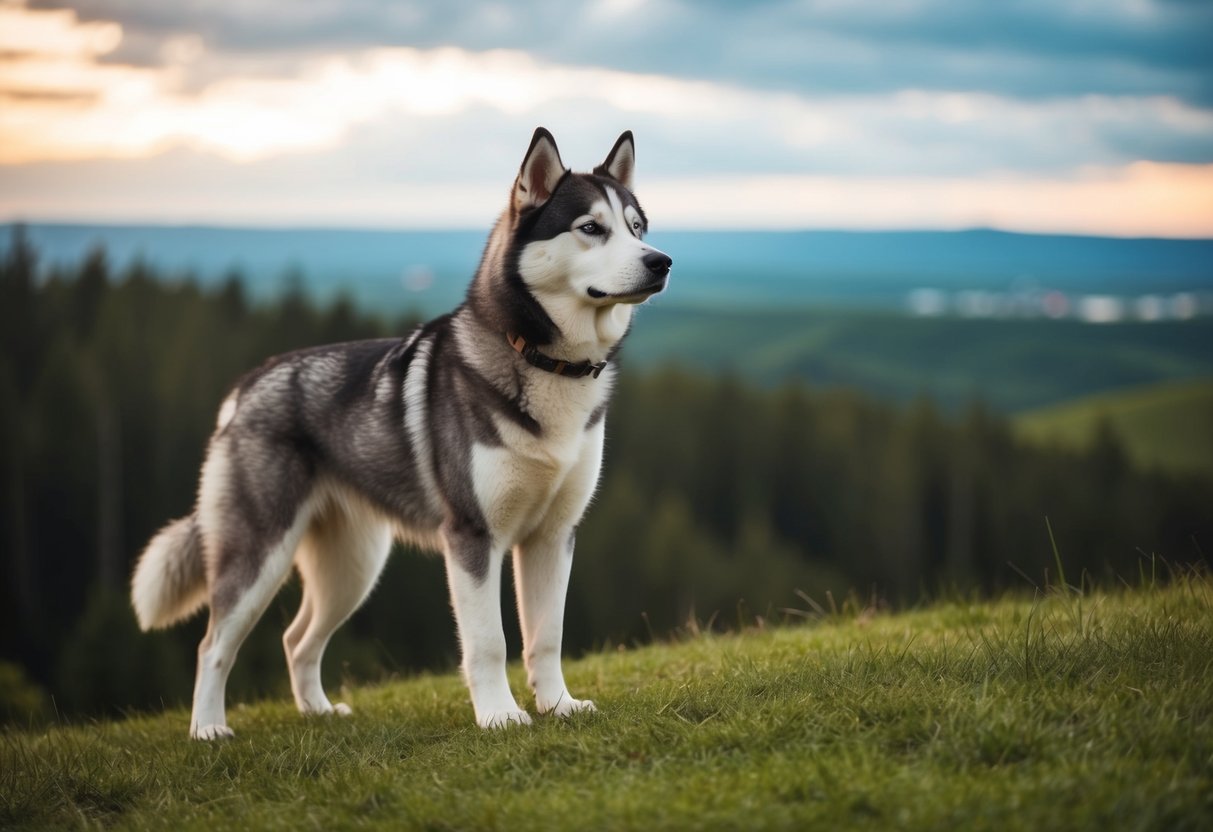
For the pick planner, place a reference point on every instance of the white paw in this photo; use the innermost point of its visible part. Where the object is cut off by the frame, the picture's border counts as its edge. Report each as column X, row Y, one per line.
column 568, row 705
column 325, row 709
column 206, row 733
column 503, row 719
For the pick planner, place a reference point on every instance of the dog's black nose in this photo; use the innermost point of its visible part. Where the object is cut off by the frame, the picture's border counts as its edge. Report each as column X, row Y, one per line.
column 658, row 263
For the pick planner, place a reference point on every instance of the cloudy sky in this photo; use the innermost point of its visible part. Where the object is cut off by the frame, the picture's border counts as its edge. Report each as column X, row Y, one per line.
column 1089, row 116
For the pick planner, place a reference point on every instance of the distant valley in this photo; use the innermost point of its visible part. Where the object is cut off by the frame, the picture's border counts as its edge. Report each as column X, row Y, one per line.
column 427, row 271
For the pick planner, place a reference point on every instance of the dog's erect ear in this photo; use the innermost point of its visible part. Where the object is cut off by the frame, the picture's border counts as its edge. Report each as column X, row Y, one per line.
column 541, row 170
column 621, row 161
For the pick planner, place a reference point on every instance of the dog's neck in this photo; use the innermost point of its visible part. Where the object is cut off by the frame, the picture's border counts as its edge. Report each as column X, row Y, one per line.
column 562, row 327
column 584, row 331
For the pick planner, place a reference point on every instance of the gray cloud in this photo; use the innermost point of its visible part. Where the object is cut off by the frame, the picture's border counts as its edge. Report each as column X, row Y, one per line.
column 1024, row 48
column 1041, row 90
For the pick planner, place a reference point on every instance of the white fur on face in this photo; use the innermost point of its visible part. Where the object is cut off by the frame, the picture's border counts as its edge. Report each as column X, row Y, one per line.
column 574, row 263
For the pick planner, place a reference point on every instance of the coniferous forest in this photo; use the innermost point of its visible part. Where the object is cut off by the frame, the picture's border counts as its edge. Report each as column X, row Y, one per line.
column 722, row 503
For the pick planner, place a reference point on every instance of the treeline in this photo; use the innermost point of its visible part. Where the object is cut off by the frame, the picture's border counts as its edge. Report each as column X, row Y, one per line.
column 720, row 501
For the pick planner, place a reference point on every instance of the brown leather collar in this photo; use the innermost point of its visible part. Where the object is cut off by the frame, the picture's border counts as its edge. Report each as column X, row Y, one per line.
column 535, row 358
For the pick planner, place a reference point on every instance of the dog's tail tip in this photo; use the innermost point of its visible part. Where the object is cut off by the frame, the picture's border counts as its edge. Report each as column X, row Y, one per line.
column 169, row 584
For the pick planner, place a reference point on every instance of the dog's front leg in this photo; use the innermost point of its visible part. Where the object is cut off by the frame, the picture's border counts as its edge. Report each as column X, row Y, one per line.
column 541, row 572
column 473, row 569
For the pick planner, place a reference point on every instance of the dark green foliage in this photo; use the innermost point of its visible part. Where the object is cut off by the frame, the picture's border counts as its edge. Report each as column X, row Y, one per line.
column 20, row 699
column 848, row 492
column 722, row 502
column 107, row 662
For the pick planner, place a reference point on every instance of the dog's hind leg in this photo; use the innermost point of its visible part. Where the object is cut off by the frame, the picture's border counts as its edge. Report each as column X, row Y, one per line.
column 294, row 633
column 339, row 559
column 250, row 541
column 234, row 611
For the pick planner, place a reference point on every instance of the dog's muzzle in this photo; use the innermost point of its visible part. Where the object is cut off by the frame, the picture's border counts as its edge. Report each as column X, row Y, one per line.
column 658, row 263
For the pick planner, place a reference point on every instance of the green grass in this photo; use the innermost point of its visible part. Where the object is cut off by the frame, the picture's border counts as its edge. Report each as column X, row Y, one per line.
column 1164, row 426
column 1071, row 710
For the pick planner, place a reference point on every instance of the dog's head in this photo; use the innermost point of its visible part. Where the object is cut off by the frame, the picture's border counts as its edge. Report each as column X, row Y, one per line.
column 579, row 237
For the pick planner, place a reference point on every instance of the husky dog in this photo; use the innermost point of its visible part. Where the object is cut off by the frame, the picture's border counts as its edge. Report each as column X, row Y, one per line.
column 478, row 434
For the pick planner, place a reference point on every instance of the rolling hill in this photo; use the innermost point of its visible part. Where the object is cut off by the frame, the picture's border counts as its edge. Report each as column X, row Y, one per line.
column 1167, row 426
column 1011, row 364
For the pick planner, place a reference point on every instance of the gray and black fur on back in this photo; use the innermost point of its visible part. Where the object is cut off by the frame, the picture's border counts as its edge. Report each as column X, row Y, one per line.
column 479, row 432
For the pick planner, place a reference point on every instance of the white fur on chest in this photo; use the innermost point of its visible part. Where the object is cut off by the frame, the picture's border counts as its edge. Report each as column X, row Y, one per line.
column 531, row 484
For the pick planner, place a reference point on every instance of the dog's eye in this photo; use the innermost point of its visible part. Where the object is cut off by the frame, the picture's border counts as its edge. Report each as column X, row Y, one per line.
column 635, row 225
column 591, row 228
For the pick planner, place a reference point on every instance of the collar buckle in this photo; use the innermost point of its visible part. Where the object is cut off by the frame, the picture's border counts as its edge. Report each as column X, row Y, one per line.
column 535, row 358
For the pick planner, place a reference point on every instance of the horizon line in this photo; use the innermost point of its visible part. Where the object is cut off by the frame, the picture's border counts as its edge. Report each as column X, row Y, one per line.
column 13, row 222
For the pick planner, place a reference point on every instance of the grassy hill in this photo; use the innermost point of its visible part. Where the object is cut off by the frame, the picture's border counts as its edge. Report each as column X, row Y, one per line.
column 1064, row 711
column 1167, row 426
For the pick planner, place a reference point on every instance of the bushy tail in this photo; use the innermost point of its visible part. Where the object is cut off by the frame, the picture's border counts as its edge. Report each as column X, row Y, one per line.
column 169, row 584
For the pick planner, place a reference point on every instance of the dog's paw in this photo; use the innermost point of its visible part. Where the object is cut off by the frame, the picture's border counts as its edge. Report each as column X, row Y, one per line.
column 326, row 709
column 207, row 733
column 503, row 719
column 568, row 706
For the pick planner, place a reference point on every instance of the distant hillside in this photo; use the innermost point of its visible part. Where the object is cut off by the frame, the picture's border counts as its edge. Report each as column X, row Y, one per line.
column 1168, row 426
column 1012, row 364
